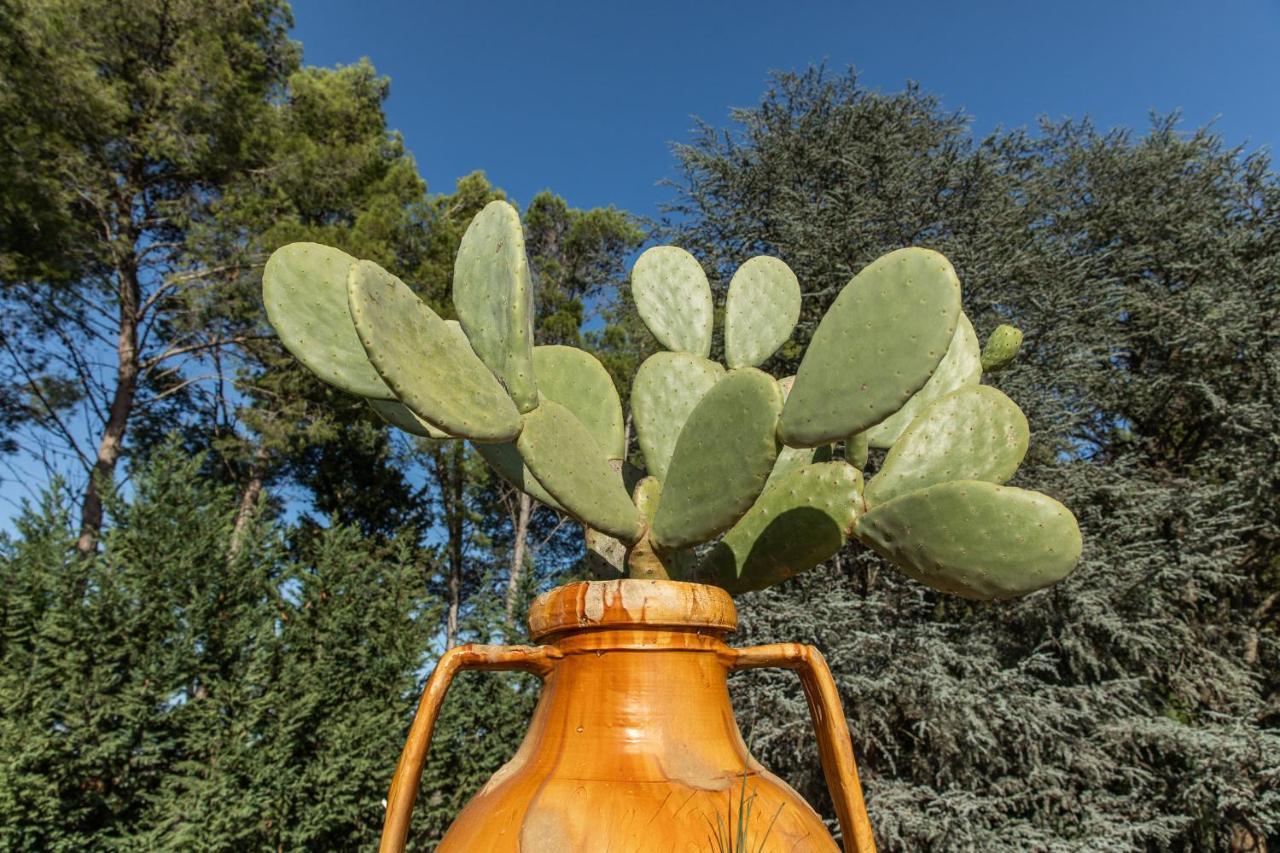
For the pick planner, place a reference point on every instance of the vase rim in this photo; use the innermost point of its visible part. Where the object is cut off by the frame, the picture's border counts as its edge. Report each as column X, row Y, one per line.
column 631, row 603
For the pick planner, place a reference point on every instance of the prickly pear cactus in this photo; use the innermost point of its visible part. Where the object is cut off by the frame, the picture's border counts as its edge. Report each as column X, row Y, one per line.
column 750, row 479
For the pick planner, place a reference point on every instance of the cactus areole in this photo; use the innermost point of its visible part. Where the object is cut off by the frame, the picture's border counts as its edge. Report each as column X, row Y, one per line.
column 748, row 480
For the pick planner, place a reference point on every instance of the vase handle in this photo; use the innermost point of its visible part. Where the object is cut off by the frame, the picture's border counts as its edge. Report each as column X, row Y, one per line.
column 829, row 724
column 537, row 660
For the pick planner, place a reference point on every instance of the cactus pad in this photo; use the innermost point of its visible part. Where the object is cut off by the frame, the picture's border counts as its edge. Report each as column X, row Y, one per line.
column 493, row 296
column 665, row 390
column 976, row 539
column 961, row 366
column 429, row 368
column 796, row 523
column 507, row 463
column 577, row 380
column 856, row 450
column 1002, row 348
column 976, row 433
column 673, row 298
column 606, row 556
column 794, row 458
column 878, row 344
column 304, row 289
column 566, row 460
column 722, row 459
column 894, row 364
column 760, row 311
column 398, row 415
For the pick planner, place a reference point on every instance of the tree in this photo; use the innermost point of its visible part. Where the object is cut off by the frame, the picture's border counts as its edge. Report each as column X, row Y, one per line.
column 136, row 304
column 1132, row 707
column 136, row 121
column 186, row 698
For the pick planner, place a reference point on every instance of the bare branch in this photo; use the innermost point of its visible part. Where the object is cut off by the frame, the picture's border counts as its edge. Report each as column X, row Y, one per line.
column 34, row 387
column 173, row 352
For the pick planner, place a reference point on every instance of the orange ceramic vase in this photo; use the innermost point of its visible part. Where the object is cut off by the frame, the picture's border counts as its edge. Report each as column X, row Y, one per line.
column 633, row 745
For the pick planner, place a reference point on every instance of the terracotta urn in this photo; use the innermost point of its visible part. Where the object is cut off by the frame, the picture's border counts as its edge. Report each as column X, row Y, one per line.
column 633, row 745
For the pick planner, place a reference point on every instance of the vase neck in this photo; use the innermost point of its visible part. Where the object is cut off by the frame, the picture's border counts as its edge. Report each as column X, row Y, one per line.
column 641, row 705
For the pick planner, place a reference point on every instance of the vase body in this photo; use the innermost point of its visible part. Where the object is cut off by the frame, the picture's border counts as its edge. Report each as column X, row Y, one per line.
column 633, row 745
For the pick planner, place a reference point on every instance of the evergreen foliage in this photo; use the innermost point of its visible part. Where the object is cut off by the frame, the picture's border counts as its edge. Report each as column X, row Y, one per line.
column 1134, row 706
column 166, row 695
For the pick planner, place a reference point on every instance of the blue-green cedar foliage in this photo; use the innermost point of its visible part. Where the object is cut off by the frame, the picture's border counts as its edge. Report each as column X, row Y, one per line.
column 1134, row 706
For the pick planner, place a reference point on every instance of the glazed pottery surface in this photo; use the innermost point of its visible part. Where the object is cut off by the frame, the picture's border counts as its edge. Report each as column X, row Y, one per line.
column 633, row 745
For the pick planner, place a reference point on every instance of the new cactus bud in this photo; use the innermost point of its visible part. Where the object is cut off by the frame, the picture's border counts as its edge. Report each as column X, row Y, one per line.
column 1002, row 348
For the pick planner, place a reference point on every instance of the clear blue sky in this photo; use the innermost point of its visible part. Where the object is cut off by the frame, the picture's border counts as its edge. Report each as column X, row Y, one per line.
column 585, row 97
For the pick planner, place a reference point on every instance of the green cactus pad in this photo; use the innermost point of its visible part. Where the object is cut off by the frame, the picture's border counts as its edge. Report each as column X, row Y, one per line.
column 856, row 450
column 1002, row 348
column 646, row 495
column 878, row 344
column 645, row 559
column 796, row 523
column 976, row 433
column 566, row 460
column 578, row 381
column 606, row 556
column 664, row 391
column 975, row 539
column 793, row 458
column 722, row 459
column 493, row 296
column 961, row 366
column 304, row 289
column 398, row 415
column 428, row 367
column 760, row 311
column 507, row 463
column 673, row 298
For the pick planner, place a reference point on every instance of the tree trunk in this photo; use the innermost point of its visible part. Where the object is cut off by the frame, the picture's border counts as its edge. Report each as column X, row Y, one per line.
column 248, row 501
column 111, row 444
column 517, row 554
column 453, row 514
